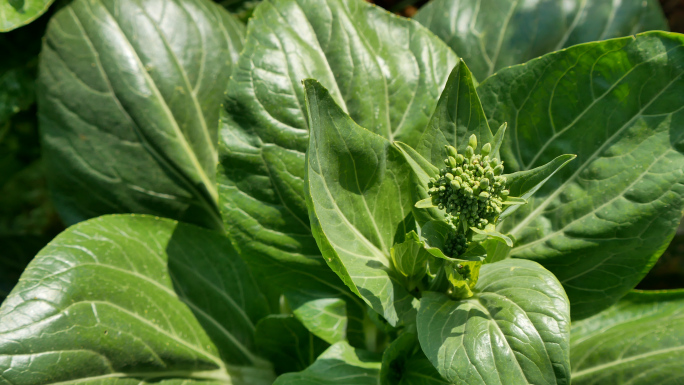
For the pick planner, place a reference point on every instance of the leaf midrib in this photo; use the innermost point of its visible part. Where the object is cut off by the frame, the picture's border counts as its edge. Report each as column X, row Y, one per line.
column 206, row 181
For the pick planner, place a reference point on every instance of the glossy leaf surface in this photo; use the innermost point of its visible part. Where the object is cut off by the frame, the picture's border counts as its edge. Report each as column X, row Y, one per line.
column 355, row 182
column 15, row 13
column 514, row 330
column 380, row 68
column 493, row 34
column 639, row 341
column 341, row 364
column 129, row 95
column 133, row 297
column 458, row 115
column 600, row 223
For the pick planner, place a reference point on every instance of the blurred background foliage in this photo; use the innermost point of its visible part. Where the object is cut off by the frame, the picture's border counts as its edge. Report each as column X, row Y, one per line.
column 28, row 220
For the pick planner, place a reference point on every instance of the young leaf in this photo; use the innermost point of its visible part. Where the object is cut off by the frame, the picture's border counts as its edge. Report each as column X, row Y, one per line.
column 525, row 183
column 128, row 107
column 133, row 297
column 329, row 318
column 404, row 363
column 492, row 233
column 498, row 139
column 264, row 130
column 423, row 170
column 410, row 259
column 341, row 364
column 284, row 341
column 493, row 34
column 355, row 180
column 639, row 341
column 514, row 330
column 600, row 223
column 458, row 115
column 18, row 13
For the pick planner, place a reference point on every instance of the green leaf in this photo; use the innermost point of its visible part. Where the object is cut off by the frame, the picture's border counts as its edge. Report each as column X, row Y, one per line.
column 355, row 181
column 490, row 232
column 286, row 342
column 639, row 341
column 525, row 183
column 458, row 115
column 423, row 170
column 264, row 130
column 331, row 319
column 16, row 13
column 133, row 297
column 129, row 99
column 341, row 364
column 514, row 330
column 496, row 250
column 600, row 223
column 493, row 34
column 404, row 363
column 410, row 259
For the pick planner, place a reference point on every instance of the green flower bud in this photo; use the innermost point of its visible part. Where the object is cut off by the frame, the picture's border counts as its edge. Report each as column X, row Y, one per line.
column 472, row 141
column 498, row 169
column 469, row 152
column 451, row 150
column 484, row 183
column 486, row 149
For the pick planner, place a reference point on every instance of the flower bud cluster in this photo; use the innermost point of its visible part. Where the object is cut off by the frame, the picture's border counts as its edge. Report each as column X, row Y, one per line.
column 455, row 245
column 471, row 186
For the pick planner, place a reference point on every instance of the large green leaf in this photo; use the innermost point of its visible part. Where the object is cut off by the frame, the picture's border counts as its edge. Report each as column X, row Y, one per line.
column 129, row 95
column 514, row 330
column 493, row 34
column 133, row 297
column 15, row 13
column 639, row 341
column 355, row 181
column 287, row 343
column 600, row 223
column 341, row 364
column 386, row 72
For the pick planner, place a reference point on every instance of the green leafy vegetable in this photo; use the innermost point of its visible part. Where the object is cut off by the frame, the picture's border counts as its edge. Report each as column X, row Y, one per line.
column 380, row 68
column 638, row 341
column 514, row 330
column 600, row 223
column 129, row 104
column 133, row 297
column 493, row 34
column 355, row 179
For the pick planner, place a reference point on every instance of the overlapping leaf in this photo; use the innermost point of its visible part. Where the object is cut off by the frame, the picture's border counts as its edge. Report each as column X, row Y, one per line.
column 514, row 330
column 639, row 341
column 356, row 182
column 129, row 95
column 385, row 71
column 404, row 363
column 284, row 341
column 601, row 222
column 15, row 13
column 341, row 364
column 122, row 298
column 493, row 34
